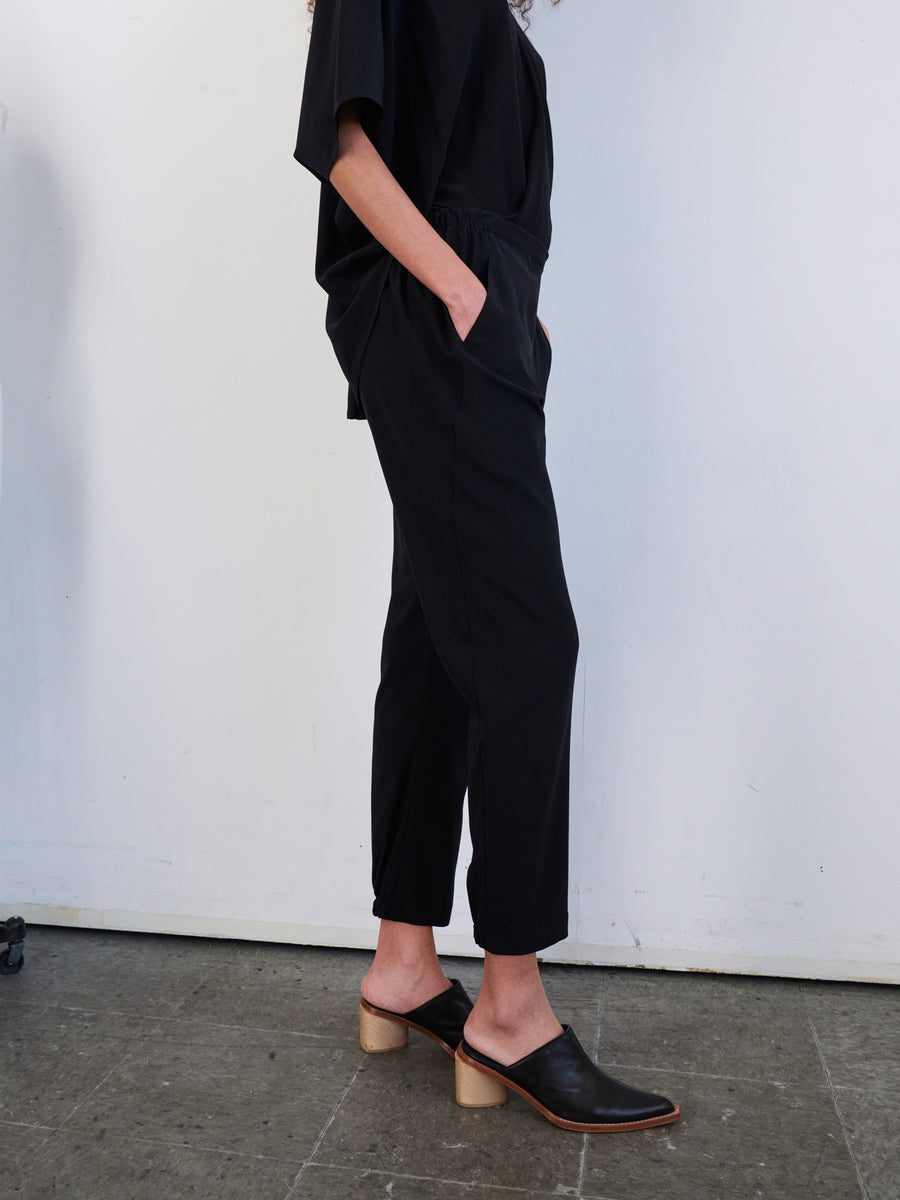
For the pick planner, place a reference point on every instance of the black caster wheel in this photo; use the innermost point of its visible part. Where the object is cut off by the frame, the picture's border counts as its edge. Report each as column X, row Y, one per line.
column 10, row 967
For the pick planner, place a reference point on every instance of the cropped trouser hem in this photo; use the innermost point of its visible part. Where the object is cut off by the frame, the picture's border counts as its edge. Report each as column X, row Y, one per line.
column 529, row 943
column 502, row 942
column 385, row 910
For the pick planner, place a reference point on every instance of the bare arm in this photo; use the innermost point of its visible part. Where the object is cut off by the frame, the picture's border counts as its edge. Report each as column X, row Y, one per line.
column 363, row 181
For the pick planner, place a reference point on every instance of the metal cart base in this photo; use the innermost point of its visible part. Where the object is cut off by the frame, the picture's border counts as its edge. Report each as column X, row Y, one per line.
column 12, row 960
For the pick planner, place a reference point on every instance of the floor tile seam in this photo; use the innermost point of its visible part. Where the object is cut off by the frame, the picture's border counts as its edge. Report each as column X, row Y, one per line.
column 663, row 1007
column 204, row 979
column 875, row 1086
column 292, row 1191
column 159, row 1018
column 177, row 1145
column 32, row 1125
column 616, row 1066
column 470, row 1184
column 133, row 1038
column 839, row 1113
column 719, row 1195
column 674, row 1196
column 349, row 1040
column 81, row 1103
column 585, row 1136
column 94, row 1011
column 26, row 1126
column 156, row 1026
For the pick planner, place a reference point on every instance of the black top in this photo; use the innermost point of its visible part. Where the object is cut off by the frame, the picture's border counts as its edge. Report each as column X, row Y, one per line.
column 453, row 97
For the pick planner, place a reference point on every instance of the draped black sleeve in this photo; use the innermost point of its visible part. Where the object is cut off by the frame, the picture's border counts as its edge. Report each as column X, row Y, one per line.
column 409, row 62
column 346, row 62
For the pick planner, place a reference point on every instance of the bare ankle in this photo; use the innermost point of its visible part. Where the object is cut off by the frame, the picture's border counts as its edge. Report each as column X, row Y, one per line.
column 405, row 971
column 512, row 1015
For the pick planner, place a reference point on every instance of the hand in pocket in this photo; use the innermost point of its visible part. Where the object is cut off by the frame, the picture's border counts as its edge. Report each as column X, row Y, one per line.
column 466, row 309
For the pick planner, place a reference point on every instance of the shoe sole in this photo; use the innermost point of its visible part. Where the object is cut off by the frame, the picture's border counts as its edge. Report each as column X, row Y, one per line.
column 463, row 1059
column 376, row 1036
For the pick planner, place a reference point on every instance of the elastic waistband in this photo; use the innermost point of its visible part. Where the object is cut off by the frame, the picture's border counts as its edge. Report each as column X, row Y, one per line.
column 441, row 216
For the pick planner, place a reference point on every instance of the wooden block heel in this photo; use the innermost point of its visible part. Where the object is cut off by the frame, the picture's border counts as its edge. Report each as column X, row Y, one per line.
column 378, row 1034
column 475, row 1088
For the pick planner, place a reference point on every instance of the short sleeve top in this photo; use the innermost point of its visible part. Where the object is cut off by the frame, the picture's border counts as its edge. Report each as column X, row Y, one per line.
column 453, row 96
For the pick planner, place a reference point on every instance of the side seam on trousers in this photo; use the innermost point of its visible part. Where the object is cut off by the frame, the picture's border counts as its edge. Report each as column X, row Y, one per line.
column 459, row 431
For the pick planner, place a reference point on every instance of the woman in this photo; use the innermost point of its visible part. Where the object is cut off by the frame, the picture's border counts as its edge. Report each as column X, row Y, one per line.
column 427, row 123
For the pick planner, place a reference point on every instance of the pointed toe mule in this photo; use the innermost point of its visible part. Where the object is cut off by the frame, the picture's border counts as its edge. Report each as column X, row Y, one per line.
column 563, row 1084
column 441, row 1018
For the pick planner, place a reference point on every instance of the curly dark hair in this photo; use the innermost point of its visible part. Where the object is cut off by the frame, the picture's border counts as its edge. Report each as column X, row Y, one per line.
column 522, row 7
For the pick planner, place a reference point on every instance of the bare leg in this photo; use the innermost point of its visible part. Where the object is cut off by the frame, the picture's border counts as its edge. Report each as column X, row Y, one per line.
column 405, row 971
column 512, row 1015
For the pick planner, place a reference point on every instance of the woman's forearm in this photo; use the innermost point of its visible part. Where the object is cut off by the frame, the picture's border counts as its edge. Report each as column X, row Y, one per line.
column 363, row 181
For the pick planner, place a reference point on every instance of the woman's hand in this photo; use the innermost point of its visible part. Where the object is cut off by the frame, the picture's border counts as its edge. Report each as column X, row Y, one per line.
column 546, row 331
column 465, row 301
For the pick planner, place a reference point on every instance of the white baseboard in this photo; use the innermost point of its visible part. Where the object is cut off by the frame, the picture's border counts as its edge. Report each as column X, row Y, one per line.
column 581, row 953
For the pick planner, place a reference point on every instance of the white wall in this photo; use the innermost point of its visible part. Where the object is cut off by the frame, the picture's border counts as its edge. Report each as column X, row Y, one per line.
column 195, row 544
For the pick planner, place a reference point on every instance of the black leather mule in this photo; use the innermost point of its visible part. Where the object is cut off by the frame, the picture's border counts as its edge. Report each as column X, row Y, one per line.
column 442, row 1019
column 561, row 1082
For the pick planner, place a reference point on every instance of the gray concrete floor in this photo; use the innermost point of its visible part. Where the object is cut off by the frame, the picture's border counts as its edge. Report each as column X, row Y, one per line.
column 136, row 1066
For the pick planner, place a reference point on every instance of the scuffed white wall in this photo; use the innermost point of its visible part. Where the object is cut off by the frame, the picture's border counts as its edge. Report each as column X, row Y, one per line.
column 192, row 540
column 725, row 440
column 195, row 545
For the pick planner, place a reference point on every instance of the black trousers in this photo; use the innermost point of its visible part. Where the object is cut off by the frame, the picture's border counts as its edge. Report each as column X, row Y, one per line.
column 480, row 642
